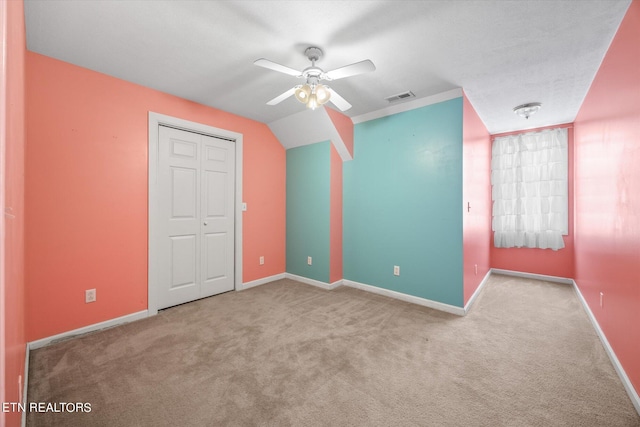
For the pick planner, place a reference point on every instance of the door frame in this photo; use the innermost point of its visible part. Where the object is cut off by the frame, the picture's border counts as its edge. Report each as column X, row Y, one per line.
column 153, row 218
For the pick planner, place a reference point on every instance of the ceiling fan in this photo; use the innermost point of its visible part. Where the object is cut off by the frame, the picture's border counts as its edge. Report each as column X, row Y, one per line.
column 313, row 93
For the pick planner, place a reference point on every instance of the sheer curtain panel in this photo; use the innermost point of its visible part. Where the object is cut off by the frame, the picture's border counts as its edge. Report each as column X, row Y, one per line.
column 530, row 189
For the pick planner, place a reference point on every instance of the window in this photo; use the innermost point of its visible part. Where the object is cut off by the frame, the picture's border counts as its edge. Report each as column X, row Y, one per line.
column 530, row 190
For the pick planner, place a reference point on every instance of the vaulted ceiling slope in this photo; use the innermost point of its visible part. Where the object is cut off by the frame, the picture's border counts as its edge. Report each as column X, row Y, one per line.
column 502, row 53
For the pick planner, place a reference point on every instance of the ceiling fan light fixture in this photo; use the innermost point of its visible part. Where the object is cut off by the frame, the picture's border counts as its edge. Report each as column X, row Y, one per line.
column 303, row 93
column 527, row 110
column 313, row 102
column 322, row 94
column 312, row 93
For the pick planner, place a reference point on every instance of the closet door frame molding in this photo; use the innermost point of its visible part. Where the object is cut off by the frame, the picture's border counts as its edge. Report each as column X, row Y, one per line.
column 155, row 121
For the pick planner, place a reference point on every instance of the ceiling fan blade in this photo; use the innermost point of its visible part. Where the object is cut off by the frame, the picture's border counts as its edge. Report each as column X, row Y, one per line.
column 338, row 101
column 278, row 99
column 351, row 70
column 265, row 63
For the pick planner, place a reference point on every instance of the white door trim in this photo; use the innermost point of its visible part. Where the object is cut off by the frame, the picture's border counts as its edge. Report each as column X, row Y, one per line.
column 156, row 120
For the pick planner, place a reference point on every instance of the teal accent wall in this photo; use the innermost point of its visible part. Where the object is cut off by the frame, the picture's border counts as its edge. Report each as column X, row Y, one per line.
column 308, row 214
column 403, row 203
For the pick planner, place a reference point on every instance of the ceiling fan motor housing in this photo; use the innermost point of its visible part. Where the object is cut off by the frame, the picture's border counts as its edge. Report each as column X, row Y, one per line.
column 313, row 76
column 313, row 53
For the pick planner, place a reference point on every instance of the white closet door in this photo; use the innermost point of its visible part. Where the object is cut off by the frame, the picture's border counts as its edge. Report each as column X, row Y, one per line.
column 196, row 199
column 218, row 163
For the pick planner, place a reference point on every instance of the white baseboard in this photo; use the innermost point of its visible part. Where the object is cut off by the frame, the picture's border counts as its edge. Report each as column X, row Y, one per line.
column 628, row 386
column 313, row 282
column 374, row 289
column 534, row 276
column 469, row 303
column 336, row 284
column 633, row 394
column 90, row 328
column 262, row 281
column 405, row 297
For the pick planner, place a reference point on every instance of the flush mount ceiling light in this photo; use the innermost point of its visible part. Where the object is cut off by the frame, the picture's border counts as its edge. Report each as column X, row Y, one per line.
column 527, row 110
column 313, row 94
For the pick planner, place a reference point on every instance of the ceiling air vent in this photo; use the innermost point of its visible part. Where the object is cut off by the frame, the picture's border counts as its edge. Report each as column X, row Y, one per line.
column 400, row 97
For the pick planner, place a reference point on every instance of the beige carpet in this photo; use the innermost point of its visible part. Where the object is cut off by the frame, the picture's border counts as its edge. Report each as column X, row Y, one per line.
column 286, row 354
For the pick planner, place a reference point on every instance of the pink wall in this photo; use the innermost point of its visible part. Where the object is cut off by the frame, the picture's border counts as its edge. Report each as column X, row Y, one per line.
column 264, row 191
column 335, row 220
column 344, row 126
column 607, row 200
column 541, row 261
column 12, row 128
column 476, row 190
column 86, row 201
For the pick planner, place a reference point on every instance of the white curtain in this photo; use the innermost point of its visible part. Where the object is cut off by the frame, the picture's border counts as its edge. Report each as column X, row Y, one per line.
column 529, row 189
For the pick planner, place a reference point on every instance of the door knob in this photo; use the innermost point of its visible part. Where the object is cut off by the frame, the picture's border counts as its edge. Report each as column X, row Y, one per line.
column 205, row 223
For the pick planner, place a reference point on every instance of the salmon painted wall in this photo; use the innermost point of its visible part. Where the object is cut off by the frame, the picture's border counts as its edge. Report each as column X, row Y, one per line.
column 541, row 261
column 344, row 126
column 335, row 212
column 12, row 291
column 86, row 200
column 607, row 176
column 476, row 192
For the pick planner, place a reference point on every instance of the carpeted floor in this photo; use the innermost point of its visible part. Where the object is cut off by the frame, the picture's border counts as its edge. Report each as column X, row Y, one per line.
column 287, row 353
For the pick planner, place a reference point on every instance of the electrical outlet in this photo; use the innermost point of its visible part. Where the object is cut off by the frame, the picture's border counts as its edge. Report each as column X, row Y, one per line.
column 89, row 295
column 261, row 260
column 309, row 260
column 476, row 267
column 396, row 270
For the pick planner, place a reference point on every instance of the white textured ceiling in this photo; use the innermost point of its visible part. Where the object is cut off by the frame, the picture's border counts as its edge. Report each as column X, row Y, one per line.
column 502, row 53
